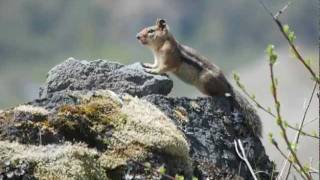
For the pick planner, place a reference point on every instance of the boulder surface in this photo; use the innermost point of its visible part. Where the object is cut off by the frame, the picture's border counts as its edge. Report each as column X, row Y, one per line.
column 105, row 120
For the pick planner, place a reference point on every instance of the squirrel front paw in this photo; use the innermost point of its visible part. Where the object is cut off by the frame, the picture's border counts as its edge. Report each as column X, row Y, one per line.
column 148, row 65
column 151, row 71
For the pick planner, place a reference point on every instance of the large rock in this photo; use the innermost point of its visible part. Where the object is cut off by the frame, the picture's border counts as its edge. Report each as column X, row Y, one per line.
column 131, row 132
column 211, row 128
column 99, row 74
column 116, row 134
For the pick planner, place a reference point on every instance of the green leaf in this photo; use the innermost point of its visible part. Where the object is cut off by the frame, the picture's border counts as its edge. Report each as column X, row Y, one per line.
column 162, row 170
column 292, row 36
column 279, row 121
column 285, row 123
column 269, row 109
column 289, row 33
column 270, row 49
column 286, row 28
column 293, row 146
column 178, row 177
column 273, row 58
column 271, row 54
column 253, row 96
column 271, row 139
column 306, row 168
column 309, row 62
column 291, row 158
column 316, row 78
column 236, row 77
column 270, row 135
column 194, row 178
column 314, row 133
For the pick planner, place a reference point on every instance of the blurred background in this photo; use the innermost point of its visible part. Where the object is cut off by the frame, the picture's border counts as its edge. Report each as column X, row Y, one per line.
column 35, row 35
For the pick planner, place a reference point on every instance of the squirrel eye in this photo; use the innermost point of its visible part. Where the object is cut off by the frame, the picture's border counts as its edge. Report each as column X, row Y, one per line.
column 151, row 30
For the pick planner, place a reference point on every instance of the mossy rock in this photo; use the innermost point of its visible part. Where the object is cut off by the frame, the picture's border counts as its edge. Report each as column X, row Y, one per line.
column 64, row 161
column 27, row 124
column 120, row 134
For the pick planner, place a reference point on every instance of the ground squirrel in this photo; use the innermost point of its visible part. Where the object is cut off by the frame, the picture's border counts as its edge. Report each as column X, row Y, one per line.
column 191, row 67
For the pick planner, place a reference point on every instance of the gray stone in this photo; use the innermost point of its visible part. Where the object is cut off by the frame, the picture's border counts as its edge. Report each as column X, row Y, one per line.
column 101, row 74
column 211, row 129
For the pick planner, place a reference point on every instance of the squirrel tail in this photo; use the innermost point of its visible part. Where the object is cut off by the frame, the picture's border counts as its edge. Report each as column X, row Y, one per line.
column 247, row 111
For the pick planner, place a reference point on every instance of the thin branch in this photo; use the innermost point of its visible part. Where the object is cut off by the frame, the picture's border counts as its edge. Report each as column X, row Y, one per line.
column 263, row 108
column 306, row 111
column 280, row 121
column 301, row 125
column 314, row 170
column 258, row 104
column 243, row 156
column 296, row 52
column 303, row 132
column 311, row 121
column 283, row 9
column 251, row 97
column 284, row 156
column 277, row 104
column 291, row 44
column 265, row 8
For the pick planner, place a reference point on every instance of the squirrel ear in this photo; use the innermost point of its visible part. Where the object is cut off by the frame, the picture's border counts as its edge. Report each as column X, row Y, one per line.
column 161, row 23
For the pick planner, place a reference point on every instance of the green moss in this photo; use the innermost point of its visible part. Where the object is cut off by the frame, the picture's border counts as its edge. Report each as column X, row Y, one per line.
column 98, row 110
column 147, row 130
column 89, row 120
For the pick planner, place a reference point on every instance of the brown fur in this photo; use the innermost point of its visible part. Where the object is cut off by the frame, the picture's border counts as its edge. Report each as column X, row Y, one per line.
column 191, row 67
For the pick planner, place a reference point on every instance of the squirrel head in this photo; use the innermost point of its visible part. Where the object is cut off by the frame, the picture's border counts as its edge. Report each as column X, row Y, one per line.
column 154, row 36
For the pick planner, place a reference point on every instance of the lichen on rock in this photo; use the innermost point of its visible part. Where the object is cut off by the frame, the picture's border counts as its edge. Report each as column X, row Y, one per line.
column 148, row 129
column 63, row 161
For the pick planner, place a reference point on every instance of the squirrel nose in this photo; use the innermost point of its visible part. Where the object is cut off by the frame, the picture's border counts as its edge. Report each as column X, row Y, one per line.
column 137, row 36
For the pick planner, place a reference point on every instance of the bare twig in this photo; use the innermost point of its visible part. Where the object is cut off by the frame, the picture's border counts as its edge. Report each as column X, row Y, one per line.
column 284, row 156
column 243, row 156
column 283, row 9
column 303, row 132
column 311, row 121
column 314, row 170
column 301, row 125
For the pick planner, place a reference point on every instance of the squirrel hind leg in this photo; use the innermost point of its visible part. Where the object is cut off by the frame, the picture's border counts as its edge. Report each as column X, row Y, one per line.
column 213, row 85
